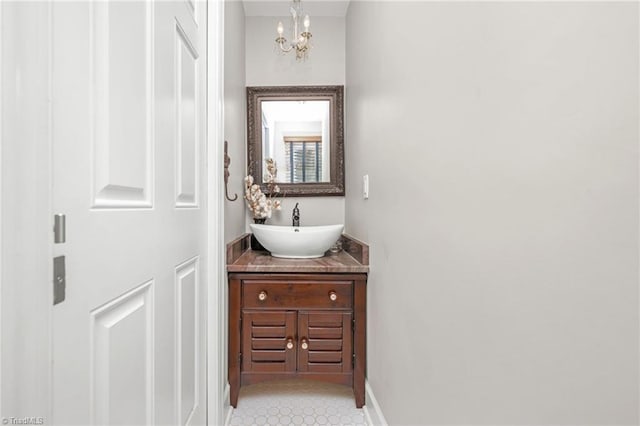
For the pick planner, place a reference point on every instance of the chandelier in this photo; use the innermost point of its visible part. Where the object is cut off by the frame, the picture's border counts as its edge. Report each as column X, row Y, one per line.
column 300, row 40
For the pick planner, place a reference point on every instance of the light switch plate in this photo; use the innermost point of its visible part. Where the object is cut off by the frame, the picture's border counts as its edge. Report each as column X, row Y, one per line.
column 365, row 187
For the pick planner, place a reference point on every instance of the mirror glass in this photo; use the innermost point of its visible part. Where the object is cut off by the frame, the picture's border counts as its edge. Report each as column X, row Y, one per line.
column 301, row 128
column 296, row 134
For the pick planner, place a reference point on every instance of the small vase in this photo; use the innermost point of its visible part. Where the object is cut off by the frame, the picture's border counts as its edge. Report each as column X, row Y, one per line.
column 255, row 244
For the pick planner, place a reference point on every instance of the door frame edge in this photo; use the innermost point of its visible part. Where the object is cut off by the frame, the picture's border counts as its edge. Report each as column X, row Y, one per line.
column 40, row 404
column 215, row 212
column 1, row 197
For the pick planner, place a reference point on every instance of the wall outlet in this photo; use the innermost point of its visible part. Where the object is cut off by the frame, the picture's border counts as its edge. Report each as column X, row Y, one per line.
column 365, row 187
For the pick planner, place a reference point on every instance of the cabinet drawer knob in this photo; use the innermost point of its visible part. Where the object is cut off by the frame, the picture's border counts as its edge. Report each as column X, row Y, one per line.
column 304, row 344
column 262, row 296
column 289, row 343
column 333, row 296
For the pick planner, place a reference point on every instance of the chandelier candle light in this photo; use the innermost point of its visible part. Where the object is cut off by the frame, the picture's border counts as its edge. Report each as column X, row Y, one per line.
column 300, row 41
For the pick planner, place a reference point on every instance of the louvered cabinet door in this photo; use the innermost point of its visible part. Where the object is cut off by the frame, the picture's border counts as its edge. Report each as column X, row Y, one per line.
column 325, row 342
column 268, row 341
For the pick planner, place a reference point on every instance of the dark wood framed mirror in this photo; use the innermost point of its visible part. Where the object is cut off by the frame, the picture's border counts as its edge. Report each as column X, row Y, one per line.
column 301, row 128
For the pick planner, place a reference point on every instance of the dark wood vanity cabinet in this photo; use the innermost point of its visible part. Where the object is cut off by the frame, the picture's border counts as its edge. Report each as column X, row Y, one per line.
column 290, row 325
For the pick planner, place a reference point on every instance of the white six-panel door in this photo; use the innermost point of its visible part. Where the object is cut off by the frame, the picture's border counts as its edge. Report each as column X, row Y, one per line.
column 129, row 173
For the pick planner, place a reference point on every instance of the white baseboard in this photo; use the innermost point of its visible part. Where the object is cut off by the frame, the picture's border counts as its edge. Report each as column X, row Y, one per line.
column 372, row 412
column 228, row 409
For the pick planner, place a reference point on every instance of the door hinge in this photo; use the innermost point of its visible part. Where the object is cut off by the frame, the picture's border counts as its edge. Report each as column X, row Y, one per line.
column 59, row 229
column 59, row 280
column 240, row 359
column 353, row 360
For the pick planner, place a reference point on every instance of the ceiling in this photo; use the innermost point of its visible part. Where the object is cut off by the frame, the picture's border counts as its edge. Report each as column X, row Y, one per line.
column 281, row 8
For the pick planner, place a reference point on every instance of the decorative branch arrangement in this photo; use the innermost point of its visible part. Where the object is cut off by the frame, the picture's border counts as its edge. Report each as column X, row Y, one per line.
column 260, row 205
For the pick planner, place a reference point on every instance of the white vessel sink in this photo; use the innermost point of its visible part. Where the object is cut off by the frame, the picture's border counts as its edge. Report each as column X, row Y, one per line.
column 299, row 242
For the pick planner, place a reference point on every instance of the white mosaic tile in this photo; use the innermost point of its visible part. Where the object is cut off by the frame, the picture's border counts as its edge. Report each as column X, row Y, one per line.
column 296, row 402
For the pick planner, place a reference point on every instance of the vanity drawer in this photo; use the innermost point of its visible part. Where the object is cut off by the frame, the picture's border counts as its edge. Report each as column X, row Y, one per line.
column 298, row 294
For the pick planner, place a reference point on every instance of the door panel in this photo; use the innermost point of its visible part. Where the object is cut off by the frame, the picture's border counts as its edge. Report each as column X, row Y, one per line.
column 329, row 339
column 122, row 392
column 265, row 337
column 188, row 317
column 129, row 117
column 186, row 74
column 121, row 103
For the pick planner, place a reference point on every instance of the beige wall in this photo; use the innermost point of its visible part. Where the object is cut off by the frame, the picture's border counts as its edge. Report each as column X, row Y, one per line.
column 235, row 111
column 325, row 66
column 234, row 133
column 501, row 141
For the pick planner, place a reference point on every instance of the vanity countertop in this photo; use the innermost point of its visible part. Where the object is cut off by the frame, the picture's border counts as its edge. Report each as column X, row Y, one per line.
column 354, row 258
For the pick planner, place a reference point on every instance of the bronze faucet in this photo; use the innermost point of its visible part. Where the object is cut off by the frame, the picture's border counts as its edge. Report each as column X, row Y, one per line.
column 296, row 215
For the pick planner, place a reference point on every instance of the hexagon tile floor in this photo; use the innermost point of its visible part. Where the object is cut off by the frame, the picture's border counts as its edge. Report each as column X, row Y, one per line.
column 296, row 402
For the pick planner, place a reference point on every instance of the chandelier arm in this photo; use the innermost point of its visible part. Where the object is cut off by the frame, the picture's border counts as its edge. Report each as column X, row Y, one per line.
column 285, row 50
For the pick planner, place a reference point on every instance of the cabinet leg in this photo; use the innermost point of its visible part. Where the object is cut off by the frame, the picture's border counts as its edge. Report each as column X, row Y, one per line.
column 233, row 395
column 358, row 390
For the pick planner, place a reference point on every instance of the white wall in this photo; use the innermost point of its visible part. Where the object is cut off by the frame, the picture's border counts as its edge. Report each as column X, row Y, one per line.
column 501, row 141
column 325, row 66
column 326, row 62
column 235, row 111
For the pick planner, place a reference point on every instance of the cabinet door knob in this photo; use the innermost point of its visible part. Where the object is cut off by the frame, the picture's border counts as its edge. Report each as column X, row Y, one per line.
column 289, row 343
column 262, row 295
column 333, row 296
column 304, row 344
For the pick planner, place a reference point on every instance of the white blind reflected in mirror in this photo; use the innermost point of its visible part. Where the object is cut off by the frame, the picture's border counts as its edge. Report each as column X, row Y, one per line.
column 303, row 159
